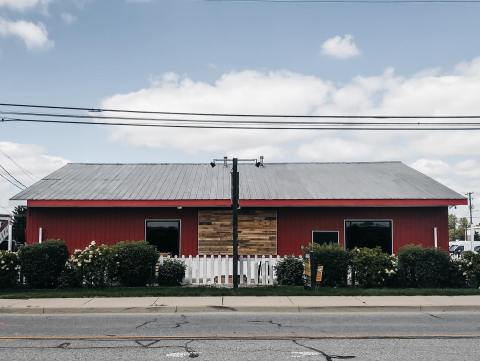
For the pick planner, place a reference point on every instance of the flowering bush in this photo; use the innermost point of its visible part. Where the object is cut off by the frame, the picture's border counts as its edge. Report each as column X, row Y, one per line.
column 469, row 266
column 95, row 265
column 371, row 267
column 9, row 266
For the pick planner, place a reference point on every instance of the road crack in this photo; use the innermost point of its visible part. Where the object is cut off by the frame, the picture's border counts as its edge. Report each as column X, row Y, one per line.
column 278, row 324
column 327, row 356
column 181, row 323
column 146, row 323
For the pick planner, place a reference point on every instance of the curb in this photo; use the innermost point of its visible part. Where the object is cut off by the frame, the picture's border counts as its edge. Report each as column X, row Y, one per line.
column 223, row 309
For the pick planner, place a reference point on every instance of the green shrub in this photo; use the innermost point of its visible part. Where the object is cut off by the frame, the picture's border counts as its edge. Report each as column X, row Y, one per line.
column 9, row 266
column 372, row 267
column 423, row 267
column 95, row 265
column 43, row 263
column 469, row 267
column 335, row 262
column 171, row 272
column 135, row 263
column 290, row 271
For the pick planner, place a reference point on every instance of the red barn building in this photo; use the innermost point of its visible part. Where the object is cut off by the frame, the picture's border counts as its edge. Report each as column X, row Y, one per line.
column 184, row 208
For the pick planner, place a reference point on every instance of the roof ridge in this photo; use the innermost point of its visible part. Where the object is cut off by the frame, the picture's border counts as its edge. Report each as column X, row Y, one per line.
column 207, row 163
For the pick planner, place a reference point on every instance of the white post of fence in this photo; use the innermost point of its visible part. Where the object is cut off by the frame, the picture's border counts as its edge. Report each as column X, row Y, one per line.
column 189, row 269
column 240, row 269
column 255, row 270
column 227, row 269
column 219, row 269
column 211, row 271
column 204, row 269
column 264, row 271
column 197, row 270
column 270, row 270
column 40, row 235
column 249, row 271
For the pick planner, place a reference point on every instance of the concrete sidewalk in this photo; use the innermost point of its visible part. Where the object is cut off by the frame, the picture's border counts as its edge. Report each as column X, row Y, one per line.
column 241, row 304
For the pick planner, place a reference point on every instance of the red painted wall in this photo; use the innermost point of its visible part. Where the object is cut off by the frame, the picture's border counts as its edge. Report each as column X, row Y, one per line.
column 79, row 226
column 410, row 225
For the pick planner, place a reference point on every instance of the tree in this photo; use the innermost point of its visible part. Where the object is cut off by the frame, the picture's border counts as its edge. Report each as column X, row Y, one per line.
column 462, row 226
column 457, row 227
column 19, row 223
column 452, row 227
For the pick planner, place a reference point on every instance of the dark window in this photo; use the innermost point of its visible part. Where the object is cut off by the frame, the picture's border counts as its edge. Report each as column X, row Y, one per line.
column 325, row 237
column 165, row 235
column 369, row 234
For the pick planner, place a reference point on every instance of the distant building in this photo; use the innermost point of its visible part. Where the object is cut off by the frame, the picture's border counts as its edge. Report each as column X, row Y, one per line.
column 184, row 208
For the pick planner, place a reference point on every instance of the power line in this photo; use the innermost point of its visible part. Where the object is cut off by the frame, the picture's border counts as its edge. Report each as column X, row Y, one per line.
column 12, row 183
column 354, row 1
column 12, row 176
column 25, row 171
column 247, row 127
column 251, row 115
column 215, row 121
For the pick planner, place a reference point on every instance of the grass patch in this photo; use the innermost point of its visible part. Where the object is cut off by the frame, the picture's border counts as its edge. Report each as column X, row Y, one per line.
column 211, row 291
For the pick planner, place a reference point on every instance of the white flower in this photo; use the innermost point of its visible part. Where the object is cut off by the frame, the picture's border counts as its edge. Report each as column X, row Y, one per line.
column 93, row 243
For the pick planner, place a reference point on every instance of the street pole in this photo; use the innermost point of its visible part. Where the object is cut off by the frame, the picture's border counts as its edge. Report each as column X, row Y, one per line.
column 235, row 185
column 472, row 232
column 235, row 205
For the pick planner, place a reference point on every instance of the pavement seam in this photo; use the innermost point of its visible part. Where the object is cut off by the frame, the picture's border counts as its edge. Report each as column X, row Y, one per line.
column 90, row 299
column 155, row 302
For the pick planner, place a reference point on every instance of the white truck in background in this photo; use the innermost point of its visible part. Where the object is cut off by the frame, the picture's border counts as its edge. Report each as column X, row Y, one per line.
column 458, row 247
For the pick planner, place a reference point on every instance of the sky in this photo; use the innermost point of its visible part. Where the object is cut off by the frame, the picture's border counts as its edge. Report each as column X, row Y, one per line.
column 240, row 57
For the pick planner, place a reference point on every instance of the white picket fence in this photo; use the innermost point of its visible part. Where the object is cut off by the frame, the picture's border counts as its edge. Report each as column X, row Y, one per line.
column 218, row 270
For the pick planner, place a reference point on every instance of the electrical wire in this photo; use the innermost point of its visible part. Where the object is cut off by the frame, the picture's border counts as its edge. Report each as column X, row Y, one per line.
column 252, row 115
column 247, row 127
column 354, row 1
column 25, row 171
column 12, row 183
column 12, row 176
column 209, row 121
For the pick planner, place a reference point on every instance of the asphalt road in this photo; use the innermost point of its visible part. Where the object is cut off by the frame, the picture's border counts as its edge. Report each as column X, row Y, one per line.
column 242, row 336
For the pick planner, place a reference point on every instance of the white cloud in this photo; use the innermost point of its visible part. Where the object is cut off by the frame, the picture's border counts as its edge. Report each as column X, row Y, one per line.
column 31, row 158
column 68, row 18
column 340, row 47
column 451, row 157
column 21, row 4
column 35, row 36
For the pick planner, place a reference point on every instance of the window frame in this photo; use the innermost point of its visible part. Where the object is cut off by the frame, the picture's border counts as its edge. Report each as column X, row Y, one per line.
column 166, row 220
column 327, row 231
column 364, row 220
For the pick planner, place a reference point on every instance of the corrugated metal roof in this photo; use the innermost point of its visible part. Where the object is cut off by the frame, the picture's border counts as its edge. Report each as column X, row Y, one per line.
column 375, row 180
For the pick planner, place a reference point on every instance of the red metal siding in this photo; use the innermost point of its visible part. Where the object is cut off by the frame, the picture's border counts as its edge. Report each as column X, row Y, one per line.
column 79, row 226
column 410, row 225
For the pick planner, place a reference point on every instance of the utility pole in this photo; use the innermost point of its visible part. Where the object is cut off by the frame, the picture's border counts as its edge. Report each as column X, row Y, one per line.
column 235, row 185
column 235, row 205
column 472, row 232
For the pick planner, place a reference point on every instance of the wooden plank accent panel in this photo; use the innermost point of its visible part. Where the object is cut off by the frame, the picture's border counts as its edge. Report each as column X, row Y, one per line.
column 257, row 231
